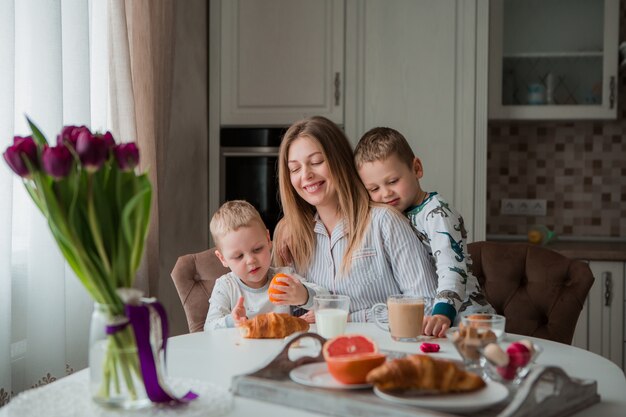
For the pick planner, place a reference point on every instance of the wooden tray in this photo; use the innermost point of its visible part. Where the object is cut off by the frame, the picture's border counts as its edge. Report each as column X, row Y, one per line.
column 547, row 391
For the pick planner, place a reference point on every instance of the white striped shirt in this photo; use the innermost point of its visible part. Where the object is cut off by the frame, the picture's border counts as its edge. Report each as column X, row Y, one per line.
column 391, row 260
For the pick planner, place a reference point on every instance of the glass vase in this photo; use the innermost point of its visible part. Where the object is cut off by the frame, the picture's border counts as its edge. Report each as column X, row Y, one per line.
column 115, row 374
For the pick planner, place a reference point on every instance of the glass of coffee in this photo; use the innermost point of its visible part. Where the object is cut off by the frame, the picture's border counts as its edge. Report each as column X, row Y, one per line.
column 405, row 314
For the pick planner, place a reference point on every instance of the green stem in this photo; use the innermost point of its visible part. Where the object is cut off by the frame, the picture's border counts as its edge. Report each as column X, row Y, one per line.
column 95, row 229
column 120, row 366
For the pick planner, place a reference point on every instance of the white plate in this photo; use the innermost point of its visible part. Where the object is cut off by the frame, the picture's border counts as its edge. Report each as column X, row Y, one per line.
column 492, row 394
column 317, row 375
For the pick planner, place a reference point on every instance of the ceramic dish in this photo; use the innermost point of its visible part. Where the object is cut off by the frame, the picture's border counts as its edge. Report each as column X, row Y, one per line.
column 317, row 375
column 492, row 394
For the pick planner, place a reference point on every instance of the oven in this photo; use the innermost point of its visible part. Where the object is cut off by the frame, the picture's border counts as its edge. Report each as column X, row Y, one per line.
column 249, row 169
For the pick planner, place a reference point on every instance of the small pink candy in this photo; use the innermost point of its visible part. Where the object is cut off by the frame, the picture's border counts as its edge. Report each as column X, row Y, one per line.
column 519, row 355
column 429, row 347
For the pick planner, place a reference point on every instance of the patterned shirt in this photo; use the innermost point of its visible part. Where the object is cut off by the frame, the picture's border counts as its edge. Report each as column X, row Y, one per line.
column 229, row 287
column 385, row 264
column 441, row 228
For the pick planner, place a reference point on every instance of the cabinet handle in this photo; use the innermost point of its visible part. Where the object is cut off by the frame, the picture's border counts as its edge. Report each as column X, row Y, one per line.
column 612, row 92
column 337, row 88
column 608, row 286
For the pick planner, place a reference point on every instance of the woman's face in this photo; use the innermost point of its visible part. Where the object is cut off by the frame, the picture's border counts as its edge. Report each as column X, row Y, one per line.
column 309, row 173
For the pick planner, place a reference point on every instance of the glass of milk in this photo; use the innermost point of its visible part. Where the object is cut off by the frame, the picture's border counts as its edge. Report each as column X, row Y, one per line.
column 331, row 314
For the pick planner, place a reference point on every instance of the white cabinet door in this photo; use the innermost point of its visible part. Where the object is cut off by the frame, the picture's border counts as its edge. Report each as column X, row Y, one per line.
column 553, row 59
column 600, row 328
column 281, row 60
column 415, row 70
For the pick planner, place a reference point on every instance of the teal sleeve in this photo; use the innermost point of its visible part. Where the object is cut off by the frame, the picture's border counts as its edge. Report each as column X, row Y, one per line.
column 446, row 310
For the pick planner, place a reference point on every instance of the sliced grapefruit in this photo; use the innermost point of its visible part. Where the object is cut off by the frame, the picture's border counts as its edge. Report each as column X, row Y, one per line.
column 271, row 291
column 350, row 358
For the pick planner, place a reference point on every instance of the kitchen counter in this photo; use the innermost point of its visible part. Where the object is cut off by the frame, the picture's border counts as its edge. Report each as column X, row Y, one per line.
column 586, row 250
column 592, row 251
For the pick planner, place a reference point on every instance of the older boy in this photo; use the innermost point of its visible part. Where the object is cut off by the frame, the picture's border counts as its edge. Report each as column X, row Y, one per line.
column 391, row 173
column 243, row 245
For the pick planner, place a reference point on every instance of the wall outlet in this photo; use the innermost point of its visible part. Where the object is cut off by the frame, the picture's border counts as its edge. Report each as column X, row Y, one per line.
column 523, row 207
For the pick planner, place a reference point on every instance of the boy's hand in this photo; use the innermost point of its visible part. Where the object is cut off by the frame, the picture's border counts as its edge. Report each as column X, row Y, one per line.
column 239, row 312
column 295, row 294
column 309, row 317
column 436, row 325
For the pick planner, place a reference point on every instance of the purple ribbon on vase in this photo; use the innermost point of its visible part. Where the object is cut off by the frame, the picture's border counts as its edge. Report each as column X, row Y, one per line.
column 145, row 318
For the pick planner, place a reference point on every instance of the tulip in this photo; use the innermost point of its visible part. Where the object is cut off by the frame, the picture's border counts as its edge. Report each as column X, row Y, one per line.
column 69, row 135
column 92, row 150
column 23, row 148
column 108, row 138
column 126, row 155
column 57, row 161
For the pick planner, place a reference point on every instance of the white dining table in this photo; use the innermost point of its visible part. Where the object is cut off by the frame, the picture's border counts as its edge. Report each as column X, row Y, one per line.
column 217, row 356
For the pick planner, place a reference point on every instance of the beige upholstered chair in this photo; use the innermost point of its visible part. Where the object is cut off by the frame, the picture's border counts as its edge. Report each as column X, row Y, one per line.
column 194, row 276
column 541, row 292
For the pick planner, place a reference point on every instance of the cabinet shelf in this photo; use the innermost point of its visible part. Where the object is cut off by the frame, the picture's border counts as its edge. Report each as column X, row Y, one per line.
column 551, row 55
column 561, row 56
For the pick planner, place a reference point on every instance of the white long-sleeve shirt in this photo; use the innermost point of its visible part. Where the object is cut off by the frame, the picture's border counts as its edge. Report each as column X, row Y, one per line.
column 229, row 287
column 441, row 228
column 391, row 260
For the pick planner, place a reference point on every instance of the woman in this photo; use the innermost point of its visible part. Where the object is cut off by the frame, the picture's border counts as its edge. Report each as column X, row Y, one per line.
column 336, row 237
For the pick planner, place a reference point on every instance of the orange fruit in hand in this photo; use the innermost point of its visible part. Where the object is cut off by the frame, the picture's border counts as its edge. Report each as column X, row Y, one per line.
column 350, row 358
column 271, row 291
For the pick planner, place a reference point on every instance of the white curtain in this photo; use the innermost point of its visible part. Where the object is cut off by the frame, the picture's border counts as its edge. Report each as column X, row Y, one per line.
column 53, row 68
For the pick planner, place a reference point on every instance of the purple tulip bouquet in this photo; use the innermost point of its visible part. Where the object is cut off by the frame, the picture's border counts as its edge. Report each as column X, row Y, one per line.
column 97, row 207
column 98, row 210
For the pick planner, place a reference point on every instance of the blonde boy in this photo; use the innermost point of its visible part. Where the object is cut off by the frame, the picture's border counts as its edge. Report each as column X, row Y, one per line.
column 243, row 245
column 391, row 173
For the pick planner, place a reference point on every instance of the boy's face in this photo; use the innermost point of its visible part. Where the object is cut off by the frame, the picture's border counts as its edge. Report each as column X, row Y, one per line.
column 392, row 182
column 246, row 251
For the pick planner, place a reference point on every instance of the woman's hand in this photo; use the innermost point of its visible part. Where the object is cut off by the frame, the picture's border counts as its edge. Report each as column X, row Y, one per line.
column 294, row 292
column 239, row 312
column 436, row 325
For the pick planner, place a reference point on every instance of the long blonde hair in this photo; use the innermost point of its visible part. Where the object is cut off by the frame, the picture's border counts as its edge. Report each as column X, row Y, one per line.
column 353, row 199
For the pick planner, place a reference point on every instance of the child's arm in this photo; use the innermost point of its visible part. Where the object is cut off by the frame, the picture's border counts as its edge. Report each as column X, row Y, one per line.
column 219, row 314
column 297, row 291
column 446, row 232
column 312, row 290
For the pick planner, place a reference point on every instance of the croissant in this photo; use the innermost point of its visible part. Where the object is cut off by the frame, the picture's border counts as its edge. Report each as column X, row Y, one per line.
column 272, row 326
column 422, row 372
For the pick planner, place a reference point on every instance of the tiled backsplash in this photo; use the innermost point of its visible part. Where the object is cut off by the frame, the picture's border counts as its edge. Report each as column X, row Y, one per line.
column 578, row 167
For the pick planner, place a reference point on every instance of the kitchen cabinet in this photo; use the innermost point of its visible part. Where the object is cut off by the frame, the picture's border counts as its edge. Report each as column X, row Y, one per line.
column 420, row 67
column 600, row 328
column 281, row 60
column 553, row 59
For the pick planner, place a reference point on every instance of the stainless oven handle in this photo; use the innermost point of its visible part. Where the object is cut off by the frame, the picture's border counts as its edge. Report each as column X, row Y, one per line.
column 251, row 151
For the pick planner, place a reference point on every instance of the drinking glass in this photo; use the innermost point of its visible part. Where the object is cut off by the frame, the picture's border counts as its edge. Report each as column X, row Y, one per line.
column 484, row 321
column 331, row 314
column 405, row 316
